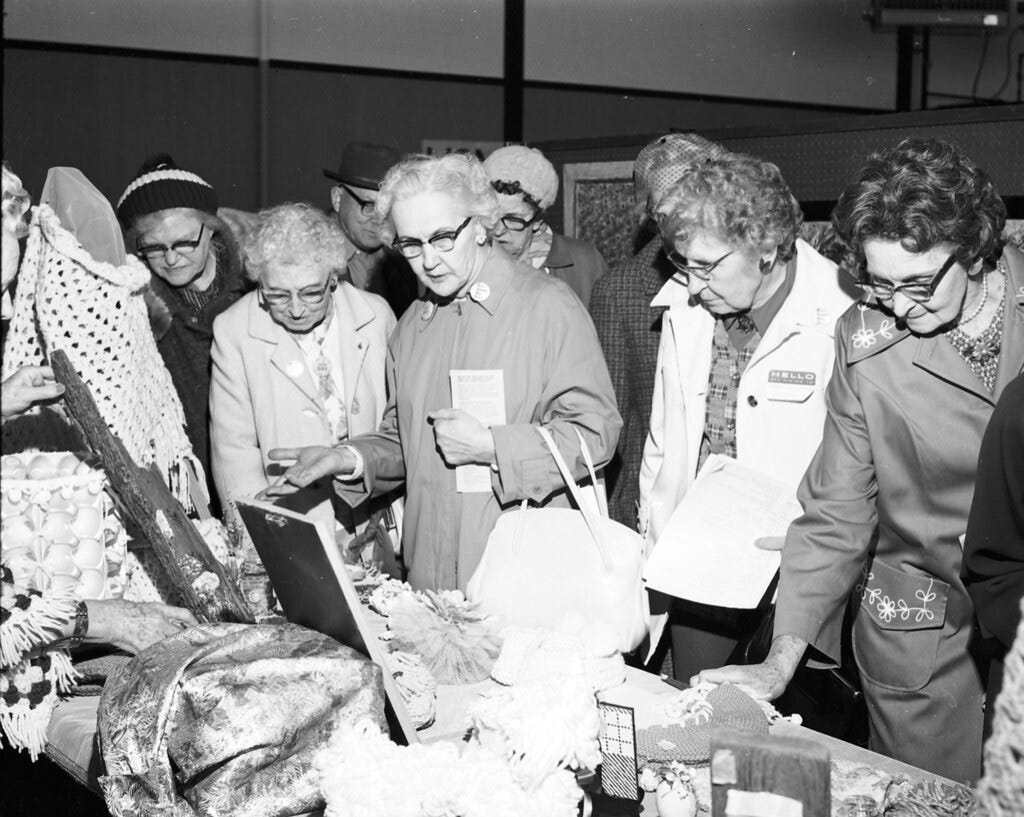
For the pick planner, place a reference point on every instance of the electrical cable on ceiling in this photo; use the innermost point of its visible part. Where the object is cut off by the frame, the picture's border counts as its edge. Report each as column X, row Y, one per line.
column 981, row 64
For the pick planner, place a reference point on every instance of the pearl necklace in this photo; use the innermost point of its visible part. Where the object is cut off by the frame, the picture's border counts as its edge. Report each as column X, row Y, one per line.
column 981, row 302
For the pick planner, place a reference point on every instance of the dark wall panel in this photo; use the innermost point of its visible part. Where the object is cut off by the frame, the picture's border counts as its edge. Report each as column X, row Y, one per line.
column 104, row 113
column 314, row 113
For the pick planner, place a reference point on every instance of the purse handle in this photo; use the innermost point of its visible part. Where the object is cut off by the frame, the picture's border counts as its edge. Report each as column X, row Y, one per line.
column 573, row 488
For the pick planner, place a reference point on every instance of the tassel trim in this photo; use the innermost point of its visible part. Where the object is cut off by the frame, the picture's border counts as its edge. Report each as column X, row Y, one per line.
column 35, row 626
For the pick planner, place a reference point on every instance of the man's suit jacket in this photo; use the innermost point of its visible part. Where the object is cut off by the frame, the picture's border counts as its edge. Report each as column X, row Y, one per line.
column 263, row 395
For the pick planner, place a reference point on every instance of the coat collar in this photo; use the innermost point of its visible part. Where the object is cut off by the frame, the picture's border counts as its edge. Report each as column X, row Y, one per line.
column 810, row 304
column 559, row 256
column 487, row 291
column 874, row 330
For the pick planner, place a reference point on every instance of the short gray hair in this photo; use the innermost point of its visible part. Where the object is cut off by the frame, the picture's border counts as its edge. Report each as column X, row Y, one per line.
column 458, row 174
column 296, row 233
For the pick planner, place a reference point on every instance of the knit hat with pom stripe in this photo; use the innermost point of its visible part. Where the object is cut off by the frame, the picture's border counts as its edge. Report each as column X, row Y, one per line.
column 161, row 185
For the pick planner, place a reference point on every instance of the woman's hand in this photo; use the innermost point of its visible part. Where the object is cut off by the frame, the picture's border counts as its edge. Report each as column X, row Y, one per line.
column 766, row 681
column 311, row 463
column 26, row 387
column 133, row 626
column 461, row 438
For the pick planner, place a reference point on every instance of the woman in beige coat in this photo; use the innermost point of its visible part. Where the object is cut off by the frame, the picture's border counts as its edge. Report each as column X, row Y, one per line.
column 483, row 311
column 298, row 362
column 919, row 366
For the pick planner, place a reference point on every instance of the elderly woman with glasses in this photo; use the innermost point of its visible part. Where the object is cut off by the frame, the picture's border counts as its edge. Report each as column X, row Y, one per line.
column 746, row 350
column 526, row 184
column 920, row 365
column 298, row 362
column 483, row 313
column 170, row 218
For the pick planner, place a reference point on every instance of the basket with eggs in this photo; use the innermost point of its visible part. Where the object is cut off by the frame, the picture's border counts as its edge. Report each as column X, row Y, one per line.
column 59, row 527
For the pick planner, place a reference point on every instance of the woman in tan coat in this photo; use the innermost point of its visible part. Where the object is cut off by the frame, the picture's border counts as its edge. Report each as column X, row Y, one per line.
column 483, row 311
column 919, row 366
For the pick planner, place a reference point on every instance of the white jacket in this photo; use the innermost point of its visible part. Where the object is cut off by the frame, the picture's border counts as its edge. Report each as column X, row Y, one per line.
column 780, row 406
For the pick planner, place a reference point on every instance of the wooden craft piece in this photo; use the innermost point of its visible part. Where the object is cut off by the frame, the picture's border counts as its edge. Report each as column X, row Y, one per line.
column 204, row 586
column 792, row 768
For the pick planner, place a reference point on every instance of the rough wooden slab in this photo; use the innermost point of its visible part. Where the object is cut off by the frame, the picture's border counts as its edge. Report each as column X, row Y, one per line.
column 792, row 768
column 204, row 586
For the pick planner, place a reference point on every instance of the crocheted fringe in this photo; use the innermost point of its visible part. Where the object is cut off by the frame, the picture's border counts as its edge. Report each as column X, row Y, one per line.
column 27, row 730
column 64, row 672
column 26, row 630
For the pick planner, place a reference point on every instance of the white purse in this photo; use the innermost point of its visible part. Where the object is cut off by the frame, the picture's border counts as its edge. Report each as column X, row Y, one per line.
column 547, row 566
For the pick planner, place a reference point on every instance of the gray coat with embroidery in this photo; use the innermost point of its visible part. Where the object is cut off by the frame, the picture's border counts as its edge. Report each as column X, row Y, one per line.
column 885, row 501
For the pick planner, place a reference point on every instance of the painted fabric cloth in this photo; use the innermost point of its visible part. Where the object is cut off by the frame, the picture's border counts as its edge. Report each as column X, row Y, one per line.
column 31, row 675
column 226, row 719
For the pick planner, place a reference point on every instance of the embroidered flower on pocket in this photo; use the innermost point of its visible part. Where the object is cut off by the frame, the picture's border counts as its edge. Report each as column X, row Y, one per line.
column 888, row 608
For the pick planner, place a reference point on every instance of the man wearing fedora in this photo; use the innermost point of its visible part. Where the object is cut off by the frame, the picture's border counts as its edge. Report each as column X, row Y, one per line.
column 373, row 268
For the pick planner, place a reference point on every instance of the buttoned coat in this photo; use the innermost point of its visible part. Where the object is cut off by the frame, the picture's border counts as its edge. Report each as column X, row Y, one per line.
column 532, row 328
column 780, row 407
column 263, row 395
column 629, row 329
column 886, row 500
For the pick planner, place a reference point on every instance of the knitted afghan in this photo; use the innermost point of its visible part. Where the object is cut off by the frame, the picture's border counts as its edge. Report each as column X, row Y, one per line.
column 31, row 674
column 94, row 312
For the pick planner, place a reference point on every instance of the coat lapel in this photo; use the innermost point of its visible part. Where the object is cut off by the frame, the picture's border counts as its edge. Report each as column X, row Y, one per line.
column 286, row 355
column 352, row 316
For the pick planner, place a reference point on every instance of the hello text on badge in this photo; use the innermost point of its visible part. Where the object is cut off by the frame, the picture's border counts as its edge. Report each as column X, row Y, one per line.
column 791, row 378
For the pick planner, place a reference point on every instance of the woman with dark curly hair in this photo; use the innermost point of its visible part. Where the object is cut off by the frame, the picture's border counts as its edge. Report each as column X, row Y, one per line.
column 746, row 350
column 920, row 363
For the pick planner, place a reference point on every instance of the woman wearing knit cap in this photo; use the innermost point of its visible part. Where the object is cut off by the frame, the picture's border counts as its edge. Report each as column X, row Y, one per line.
column 526, row 184
column 171, row 223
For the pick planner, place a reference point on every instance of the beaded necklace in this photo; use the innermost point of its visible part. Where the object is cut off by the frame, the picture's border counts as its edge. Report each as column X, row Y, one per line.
column 981, row 353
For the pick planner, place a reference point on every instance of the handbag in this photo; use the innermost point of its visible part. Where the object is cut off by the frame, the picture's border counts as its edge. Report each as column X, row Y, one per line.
column 552, row 567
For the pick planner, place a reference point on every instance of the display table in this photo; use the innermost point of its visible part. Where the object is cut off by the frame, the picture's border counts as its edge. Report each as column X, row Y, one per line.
column 72, row 732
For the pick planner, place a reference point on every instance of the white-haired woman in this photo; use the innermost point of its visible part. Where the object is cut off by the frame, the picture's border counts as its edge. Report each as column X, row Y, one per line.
column 298, row 362
column 482, row 311
column 526, row 184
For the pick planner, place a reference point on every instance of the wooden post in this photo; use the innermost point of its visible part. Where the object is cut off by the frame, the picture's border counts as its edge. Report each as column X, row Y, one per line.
column 204, row 586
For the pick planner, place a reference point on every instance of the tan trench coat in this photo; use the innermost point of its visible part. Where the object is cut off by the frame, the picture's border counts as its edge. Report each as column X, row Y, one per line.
column 535, row 330
column 885, row 501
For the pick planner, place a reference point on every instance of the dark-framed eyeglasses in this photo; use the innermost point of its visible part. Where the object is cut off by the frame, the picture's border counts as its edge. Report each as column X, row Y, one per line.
column 310, row 296
column 443, row 241
column 366, row 206
column 702, row 272
column 917, row 291
column 181, row 247
column 517, row 224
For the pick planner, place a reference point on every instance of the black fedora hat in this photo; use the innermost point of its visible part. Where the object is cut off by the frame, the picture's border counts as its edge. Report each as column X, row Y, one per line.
column 364, row 164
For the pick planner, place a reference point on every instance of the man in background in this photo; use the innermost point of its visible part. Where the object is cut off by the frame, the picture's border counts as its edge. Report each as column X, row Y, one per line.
column 373, row 267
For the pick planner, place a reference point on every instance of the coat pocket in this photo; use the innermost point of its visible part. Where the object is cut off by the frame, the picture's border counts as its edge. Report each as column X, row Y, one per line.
column 896, row 633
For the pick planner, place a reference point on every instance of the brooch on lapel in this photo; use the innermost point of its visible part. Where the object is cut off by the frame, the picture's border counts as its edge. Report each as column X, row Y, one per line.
column 865, row 338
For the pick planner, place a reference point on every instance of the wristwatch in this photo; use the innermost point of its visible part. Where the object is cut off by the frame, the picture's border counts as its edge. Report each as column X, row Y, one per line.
column 81, row 628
